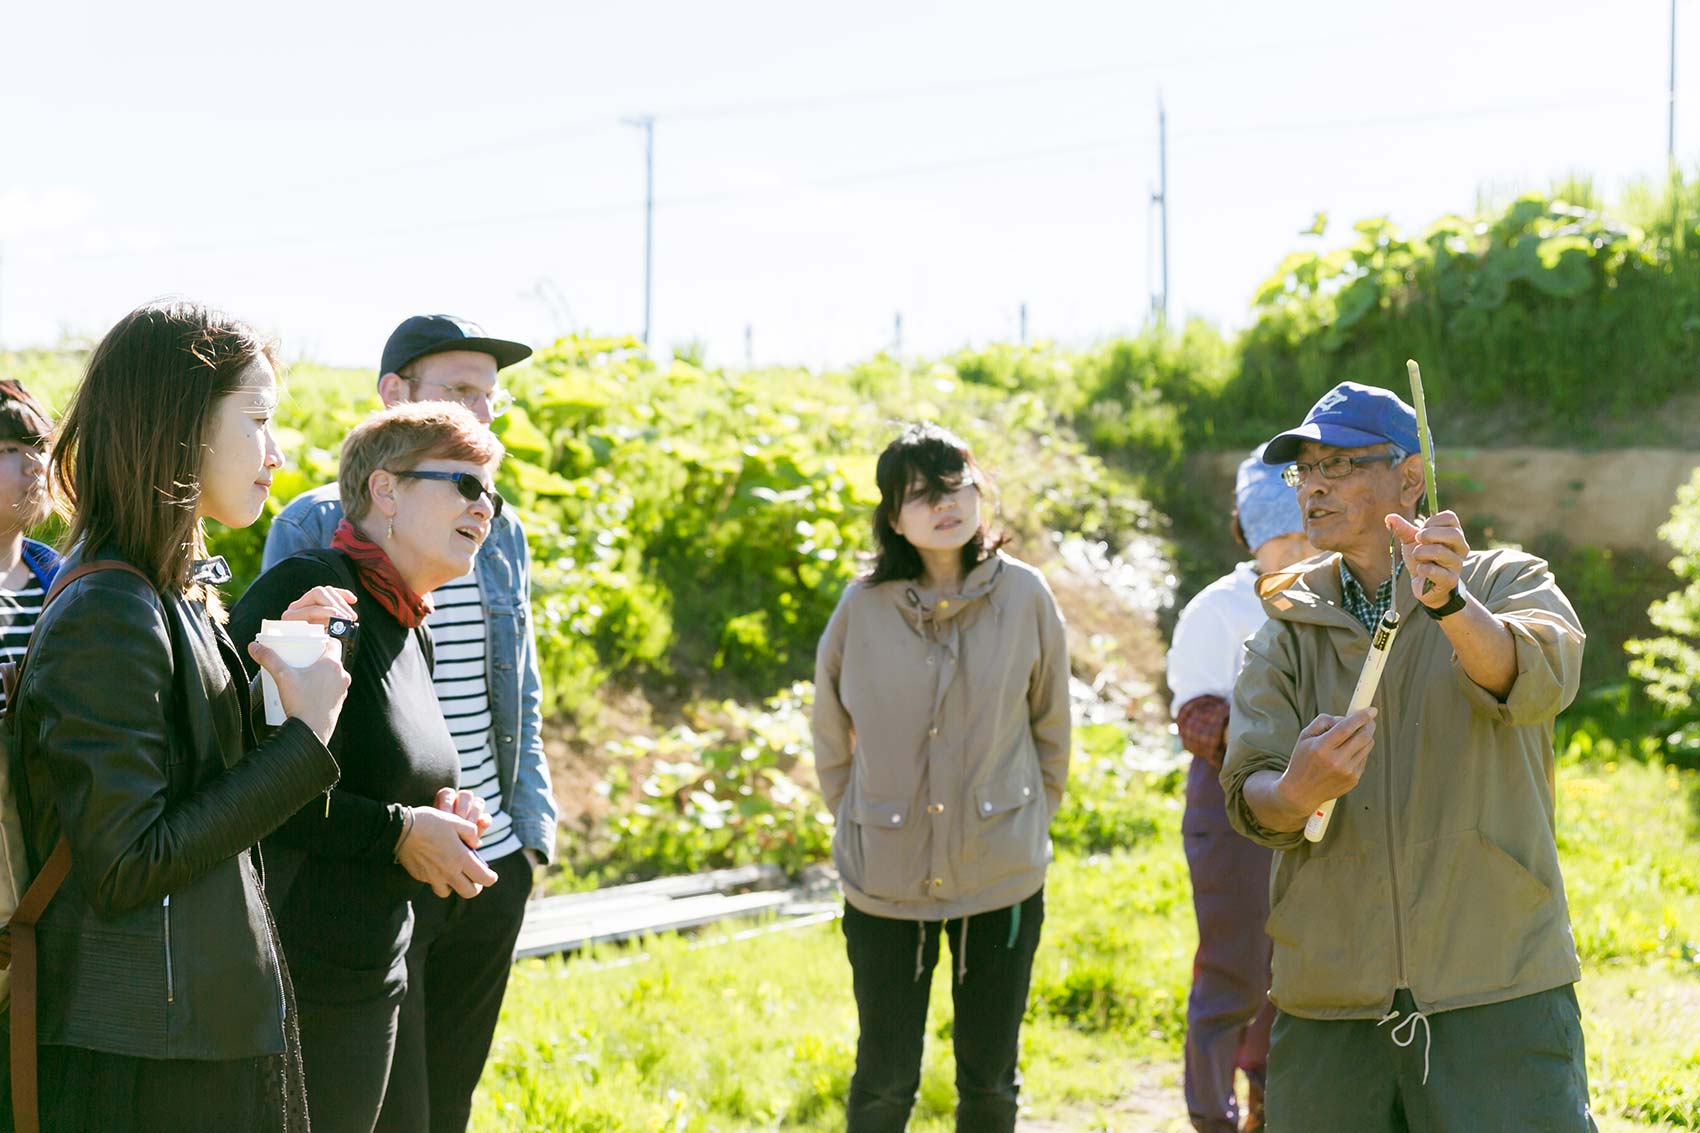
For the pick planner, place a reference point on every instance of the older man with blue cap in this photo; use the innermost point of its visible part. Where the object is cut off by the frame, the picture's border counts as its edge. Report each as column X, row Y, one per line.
column 1228, row 1012
column 1423, row 957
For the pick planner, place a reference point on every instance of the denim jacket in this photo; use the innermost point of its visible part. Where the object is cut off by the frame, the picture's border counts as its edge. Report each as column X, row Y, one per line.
column 516, row 689
column 43, row 562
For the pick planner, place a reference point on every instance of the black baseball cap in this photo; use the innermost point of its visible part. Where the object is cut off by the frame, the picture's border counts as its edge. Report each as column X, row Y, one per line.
column 435, row 334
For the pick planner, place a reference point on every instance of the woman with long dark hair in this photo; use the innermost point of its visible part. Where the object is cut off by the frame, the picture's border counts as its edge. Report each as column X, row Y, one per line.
column 163, row 1002
column 941, row 727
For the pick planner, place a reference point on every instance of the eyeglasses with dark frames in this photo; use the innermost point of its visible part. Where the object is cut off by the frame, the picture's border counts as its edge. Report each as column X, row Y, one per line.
column 469, row 486
column 1332, row 468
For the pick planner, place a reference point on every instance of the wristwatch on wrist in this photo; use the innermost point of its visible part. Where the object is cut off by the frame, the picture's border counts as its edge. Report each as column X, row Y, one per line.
column 1447, row 608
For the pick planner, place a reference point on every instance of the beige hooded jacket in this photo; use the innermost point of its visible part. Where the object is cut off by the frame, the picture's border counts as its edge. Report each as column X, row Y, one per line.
column 942, row 741
column 1440, row 869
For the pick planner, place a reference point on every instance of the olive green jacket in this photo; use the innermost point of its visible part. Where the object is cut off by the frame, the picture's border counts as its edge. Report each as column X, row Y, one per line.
column 942, row 741
column 1439, row 871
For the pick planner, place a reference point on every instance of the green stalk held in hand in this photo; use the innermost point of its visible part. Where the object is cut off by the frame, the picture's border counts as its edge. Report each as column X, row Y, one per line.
column 1381, row 639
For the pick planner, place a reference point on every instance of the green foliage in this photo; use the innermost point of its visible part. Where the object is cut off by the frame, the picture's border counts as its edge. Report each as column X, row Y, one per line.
column 1669, row 666
column 1519, row 311
column 1110, row 804
column 735, row 787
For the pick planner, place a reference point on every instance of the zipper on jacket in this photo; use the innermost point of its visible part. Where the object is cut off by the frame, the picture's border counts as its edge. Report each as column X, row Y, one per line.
column 170, row 986
column 1392, row 852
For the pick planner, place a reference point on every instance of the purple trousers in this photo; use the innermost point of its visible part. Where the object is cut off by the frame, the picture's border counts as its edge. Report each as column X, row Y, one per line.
column 1228, row 1013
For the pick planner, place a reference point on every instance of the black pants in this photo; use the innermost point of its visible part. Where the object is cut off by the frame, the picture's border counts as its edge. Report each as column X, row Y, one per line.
column 892, row 964
column 457, row 972
column 347, row 1049
column 87, row 1091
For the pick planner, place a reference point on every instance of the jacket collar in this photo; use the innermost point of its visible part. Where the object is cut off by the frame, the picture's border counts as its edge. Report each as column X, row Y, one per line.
column 1309, row 591
column 979, row 583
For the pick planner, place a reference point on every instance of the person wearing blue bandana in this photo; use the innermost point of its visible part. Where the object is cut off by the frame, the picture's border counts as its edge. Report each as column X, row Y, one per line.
column 1228, row 1011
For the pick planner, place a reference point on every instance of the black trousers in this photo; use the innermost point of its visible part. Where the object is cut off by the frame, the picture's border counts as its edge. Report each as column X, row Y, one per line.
column 457, row 973
column 87, row 1091
column 346, row 1048
column 892, row 964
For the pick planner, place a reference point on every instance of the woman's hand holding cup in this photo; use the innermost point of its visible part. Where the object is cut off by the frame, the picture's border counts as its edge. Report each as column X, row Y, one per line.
column 314, row 693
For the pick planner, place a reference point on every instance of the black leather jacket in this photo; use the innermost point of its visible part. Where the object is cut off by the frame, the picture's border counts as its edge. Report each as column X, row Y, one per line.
column 134, row 735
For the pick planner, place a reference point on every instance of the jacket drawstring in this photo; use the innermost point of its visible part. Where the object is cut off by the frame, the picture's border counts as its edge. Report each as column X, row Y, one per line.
column 962, row 953
column 1014, row 925
column 1410, row 1027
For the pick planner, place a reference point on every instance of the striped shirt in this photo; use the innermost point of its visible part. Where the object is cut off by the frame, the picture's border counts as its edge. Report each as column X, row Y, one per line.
column 463, row 690
column 19, row 610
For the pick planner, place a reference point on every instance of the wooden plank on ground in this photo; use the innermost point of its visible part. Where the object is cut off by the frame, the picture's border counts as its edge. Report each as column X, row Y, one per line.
column 553, row 926
column 689, row 885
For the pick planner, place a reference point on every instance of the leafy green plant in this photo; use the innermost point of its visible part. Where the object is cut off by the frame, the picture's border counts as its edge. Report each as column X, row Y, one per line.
column 1669, row 666
column 735, row 787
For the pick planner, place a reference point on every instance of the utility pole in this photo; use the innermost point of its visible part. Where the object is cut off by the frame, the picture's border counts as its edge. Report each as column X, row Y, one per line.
column 749, row 347
column 1160, row 199
column 646, row 123
column 1024, row 324
column 897, row 335
column 1670, row 123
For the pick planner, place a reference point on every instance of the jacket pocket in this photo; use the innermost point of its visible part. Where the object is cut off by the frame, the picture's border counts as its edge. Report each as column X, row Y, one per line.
column 1008, row 834
column 1478, row 918
column 1332, row 927
column 885, row 856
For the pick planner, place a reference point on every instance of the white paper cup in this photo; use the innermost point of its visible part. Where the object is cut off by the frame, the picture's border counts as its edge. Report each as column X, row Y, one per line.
column 299, row 644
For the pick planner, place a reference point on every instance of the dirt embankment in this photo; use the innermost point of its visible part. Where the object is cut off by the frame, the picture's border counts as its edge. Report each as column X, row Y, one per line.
column 1616, row 498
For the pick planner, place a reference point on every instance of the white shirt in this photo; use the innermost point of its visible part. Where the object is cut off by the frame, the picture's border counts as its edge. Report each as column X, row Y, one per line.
column 1209, row 642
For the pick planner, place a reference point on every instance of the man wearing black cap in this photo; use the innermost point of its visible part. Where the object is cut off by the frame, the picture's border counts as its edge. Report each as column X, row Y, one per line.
column 488, row 684
column 1423, row 956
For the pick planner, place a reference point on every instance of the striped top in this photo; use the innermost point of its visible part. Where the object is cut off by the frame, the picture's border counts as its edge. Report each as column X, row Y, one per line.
column 19, row 610
column 463, row 690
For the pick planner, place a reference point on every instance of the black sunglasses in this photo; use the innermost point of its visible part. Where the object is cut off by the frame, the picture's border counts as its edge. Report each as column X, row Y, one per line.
column 469, row 486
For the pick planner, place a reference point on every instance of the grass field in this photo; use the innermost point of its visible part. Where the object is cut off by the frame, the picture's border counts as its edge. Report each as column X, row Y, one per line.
column 760, row 1034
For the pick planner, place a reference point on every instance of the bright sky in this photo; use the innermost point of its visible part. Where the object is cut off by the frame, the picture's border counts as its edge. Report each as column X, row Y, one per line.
column 326, row 169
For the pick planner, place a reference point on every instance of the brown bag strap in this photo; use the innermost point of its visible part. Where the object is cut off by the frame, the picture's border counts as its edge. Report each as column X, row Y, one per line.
column 20, row 930
column 26, row 1107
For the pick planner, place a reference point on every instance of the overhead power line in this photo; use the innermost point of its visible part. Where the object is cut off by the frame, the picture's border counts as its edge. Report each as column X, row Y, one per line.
column 742, row 193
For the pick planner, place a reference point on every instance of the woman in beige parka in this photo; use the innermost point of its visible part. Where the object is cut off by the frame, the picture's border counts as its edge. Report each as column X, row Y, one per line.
column 941, row 729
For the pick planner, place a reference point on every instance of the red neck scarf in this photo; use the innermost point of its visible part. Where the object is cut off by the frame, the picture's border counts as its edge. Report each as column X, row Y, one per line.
column 378, row 575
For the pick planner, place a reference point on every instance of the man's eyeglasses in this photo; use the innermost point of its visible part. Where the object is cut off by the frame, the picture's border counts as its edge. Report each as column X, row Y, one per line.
column 1333, row 468
column 469, row 486
column 499, row 399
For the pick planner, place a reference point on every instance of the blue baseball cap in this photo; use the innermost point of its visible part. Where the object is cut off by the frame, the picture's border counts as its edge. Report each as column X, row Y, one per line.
column 1348, row 416
column 1267, row 507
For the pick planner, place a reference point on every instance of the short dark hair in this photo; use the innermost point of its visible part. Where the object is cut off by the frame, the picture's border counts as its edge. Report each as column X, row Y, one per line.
column 939, row 459
column 22, row 417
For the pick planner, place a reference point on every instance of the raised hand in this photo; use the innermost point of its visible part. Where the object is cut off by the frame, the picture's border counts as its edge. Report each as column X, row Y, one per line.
column 1434, row 553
